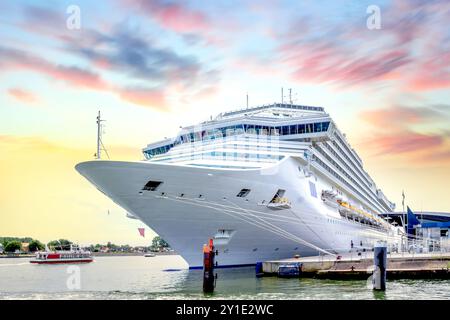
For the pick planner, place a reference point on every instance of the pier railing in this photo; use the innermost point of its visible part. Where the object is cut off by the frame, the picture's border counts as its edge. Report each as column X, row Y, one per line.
column 412, row 246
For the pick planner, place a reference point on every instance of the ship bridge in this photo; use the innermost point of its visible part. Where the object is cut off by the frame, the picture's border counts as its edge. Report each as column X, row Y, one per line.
column 286, row 122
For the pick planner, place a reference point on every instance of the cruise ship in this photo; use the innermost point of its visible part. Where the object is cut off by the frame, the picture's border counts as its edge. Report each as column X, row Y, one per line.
column 266, row 182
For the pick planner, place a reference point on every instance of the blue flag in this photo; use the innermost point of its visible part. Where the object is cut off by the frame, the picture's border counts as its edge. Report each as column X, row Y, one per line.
column 412, row 221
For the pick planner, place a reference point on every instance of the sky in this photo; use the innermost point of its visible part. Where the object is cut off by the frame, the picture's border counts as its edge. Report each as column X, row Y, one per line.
column 153, row 66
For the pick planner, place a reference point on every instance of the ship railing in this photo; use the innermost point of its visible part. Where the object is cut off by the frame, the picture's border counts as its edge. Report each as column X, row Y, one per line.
column 413, row 244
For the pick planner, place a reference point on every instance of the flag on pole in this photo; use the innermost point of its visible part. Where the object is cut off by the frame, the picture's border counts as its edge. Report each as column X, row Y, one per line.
column 412, row 222
column 142, row 232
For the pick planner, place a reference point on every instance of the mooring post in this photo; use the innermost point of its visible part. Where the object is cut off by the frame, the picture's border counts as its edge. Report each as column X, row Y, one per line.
column 259, row 269
column 208, row 267
column 380, row 264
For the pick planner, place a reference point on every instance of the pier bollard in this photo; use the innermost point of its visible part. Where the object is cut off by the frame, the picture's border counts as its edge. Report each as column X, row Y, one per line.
column 259, row 269
column 380, row 264
column 208, row 267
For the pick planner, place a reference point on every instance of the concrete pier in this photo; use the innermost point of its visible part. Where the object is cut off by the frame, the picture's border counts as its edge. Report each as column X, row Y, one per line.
column 434, row 265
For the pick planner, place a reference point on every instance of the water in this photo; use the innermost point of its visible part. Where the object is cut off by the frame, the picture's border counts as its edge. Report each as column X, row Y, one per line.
column 138, row 277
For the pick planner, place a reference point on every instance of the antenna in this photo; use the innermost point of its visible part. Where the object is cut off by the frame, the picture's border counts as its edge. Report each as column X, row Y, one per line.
column 292, row 97
column 403, row 207
column 247, row 100
column 99, row 136
column 282, row 95
column 100, row 145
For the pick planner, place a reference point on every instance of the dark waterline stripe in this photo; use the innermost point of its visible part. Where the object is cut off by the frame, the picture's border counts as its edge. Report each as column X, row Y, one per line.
column 226, row 266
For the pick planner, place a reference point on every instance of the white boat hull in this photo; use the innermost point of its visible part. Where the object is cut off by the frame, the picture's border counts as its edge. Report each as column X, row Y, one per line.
column 257, row 233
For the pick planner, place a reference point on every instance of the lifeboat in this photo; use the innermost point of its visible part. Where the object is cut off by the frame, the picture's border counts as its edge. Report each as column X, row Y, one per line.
column 346, row 209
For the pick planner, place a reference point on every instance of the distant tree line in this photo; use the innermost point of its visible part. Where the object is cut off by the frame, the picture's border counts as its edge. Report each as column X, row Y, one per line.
column 61, row 244
column 13, row 244
column 159, row 244
column 4, row 240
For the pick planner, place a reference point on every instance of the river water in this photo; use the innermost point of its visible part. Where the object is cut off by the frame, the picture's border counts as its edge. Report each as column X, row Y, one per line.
column 166, row 277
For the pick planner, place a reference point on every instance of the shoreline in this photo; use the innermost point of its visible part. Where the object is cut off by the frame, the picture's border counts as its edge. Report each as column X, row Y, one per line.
column 97, row 254
column 6, row 256
column 130, row 254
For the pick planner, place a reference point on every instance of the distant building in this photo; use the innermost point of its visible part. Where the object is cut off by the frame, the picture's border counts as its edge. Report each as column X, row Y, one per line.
column 1, row 248
column 25, row 247
column 440, row 230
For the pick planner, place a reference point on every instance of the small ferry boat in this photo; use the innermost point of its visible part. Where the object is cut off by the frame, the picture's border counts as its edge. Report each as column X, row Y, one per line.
column 74, row 255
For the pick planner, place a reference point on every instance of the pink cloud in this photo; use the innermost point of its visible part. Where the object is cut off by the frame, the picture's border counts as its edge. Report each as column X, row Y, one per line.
column 327, row 61
column 102, row 63
column 392, row 134
column 144, row 97
column 23, row 95
column 12, row 59
column 404, row 116
column 410, row 51
column 409, row 147
column 425, row 83
column 405, row 142
column 431, row 74
column 205, row 93
column 73, row 75
column 177, row 17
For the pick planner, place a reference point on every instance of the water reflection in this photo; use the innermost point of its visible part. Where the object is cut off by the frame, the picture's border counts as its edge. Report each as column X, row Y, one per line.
column 168, row 278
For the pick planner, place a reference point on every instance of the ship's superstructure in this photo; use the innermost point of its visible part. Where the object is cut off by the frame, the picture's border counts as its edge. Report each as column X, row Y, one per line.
column 265, row 182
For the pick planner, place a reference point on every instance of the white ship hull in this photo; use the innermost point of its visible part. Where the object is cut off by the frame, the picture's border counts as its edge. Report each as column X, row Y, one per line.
column 253, row 231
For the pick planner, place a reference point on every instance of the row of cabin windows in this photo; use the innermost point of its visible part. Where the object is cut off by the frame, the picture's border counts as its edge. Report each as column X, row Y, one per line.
column 363, row 181
column 369, row 196
column 333, row 172
column 160, row 150
column 358, row 161
column 336, row 145
column 228, row 156
column 240, row 129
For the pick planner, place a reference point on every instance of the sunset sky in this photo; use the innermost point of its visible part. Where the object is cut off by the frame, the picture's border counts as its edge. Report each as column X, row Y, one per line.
column 153, row 66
